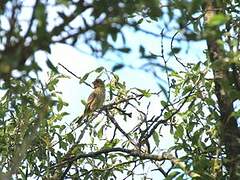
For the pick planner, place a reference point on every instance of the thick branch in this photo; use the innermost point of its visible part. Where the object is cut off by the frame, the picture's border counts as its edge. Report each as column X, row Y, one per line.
column 229, row 130
column 133, row 153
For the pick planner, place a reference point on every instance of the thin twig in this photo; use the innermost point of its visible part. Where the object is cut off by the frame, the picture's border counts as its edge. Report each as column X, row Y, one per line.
column 74, row 74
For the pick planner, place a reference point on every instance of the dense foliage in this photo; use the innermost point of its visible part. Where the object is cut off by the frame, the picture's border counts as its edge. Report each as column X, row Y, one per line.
column 197, row 106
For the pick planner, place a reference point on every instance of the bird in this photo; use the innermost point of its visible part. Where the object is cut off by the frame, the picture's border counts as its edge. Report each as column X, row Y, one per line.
column 95, row 99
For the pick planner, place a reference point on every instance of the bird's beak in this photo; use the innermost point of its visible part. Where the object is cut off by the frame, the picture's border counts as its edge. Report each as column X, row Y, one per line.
column 93, row 82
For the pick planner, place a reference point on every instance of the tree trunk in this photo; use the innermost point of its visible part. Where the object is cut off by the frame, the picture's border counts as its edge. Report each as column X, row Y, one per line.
column 229, row 131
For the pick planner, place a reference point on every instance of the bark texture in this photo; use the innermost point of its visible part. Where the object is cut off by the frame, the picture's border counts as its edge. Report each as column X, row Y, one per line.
column 229, row 131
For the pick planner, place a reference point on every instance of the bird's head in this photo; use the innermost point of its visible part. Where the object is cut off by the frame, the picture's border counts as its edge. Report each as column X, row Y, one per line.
column 98, row 83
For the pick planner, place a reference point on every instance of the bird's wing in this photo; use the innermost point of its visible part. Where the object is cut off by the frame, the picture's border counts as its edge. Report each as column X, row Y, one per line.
column 91, row 99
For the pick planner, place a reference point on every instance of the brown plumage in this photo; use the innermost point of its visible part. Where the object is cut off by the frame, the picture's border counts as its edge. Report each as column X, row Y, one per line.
column 95, row 99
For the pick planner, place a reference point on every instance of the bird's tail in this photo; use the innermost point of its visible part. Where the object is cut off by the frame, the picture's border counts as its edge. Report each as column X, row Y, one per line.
column 79, row 120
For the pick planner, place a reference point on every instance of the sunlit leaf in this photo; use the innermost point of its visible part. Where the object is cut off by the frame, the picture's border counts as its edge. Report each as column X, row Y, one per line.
column 100, row 132
column 218, row 19
column 145, row 93
column 156, row 138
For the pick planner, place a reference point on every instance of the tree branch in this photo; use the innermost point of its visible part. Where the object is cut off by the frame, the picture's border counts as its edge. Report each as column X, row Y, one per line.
column 133, row 153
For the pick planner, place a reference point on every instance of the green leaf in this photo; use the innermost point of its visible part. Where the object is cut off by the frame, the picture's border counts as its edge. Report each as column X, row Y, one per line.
column 84, row 102
column 144, row 92
column 100, row 69
column 100, row 132
column 59, row 104
column 218, row 19
column 156, row 138
column 125, row 50
column 62, row 127
column 164, row 103
column 40, row 11
column 70, row 138
column 142, row 50
column 108, row 144
column 63, row 145
column 175, row 50
column 179, row 131
column 163, row 90
column 114, row 35
column 140, row 21
column 65, row 2
column 64, row 114
column 51, row 66
column 84, row 78
column 196, row 136
column 117, row 67
column 187, row 89
column 100, row 157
